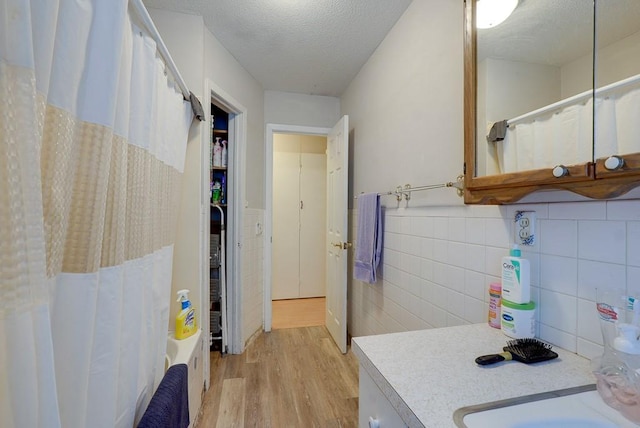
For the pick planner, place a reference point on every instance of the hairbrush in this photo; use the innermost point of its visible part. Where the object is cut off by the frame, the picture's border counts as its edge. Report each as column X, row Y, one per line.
column 524, row 350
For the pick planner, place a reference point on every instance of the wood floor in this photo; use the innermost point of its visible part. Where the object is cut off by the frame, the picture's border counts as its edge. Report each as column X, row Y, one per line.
column 297, row 313
column 294, row 377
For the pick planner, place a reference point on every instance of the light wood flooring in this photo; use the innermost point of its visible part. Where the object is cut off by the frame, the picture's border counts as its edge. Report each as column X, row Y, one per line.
column 297, row 313
column 294, row 377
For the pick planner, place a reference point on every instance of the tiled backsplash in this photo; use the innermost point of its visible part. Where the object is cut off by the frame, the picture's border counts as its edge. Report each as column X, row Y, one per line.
column 438, row 263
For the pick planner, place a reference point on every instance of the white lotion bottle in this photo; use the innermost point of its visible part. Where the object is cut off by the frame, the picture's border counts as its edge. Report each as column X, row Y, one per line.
column 516, row 286
column 217, row 153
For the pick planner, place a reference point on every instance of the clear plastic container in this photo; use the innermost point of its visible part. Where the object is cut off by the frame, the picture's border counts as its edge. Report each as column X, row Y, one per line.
column 617, row 370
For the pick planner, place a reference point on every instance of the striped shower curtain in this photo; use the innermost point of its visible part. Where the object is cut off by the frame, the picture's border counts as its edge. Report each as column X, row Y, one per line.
column 92, row 144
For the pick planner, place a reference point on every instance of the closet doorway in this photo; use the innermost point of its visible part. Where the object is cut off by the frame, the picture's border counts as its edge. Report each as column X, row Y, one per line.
column 298, row 265
column 235, row 178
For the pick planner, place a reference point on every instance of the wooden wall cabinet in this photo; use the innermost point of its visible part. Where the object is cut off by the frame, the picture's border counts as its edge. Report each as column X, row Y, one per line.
column 590, row 179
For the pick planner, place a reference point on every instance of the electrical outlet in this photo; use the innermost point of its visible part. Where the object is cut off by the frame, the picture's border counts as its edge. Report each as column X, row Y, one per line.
column 525, row 222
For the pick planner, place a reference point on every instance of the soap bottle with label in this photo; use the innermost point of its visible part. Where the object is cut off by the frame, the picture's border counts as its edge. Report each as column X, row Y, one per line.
column 495, row 296
column 516, row 286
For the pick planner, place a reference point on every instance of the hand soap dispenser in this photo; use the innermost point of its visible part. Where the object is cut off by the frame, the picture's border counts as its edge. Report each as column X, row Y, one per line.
column 186, row 319
column 224, row 153
column 515, row 278
column 217, row 153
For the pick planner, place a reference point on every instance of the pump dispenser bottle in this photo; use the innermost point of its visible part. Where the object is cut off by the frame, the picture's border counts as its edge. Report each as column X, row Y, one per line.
column 217, row 153
column 186, row 319
column 515, row 278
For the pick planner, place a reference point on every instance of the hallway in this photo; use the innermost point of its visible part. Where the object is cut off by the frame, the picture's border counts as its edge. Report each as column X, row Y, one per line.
column 293, row 377
column 298, row 313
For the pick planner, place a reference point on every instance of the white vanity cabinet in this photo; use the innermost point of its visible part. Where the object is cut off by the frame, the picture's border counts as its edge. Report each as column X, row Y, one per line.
column 375, row 411
column 418, row 379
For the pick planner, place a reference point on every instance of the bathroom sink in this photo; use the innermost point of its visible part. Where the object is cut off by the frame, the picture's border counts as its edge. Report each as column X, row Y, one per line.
column 579, row 407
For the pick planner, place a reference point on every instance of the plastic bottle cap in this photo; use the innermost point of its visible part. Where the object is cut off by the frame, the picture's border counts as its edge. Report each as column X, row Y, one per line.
column 519, row 306
column 515, row 251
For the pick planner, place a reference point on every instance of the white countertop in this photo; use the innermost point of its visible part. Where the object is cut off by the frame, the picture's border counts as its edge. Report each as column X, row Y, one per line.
column 428, row 374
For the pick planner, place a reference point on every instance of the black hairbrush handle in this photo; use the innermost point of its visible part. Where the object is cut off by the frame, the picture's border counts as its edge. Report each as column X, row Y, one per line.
column 485, row 360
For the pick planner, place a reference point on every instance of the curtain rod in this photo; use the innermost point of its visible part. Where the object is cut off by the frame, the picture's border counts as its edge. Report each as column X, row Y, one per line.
column 144, row 16
column 405, row 191
column 583, row 96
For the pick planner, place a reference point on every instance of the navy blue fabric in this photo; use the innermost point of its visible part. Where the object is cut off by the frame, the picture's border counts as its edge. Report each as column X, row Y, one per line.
column 169, row 406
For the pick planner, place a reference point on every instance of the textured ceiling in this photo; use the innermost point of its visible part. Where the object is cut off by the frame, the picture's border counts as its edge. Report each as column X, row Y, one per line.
column 555, row 32
column 318, row 46
column 305, row 46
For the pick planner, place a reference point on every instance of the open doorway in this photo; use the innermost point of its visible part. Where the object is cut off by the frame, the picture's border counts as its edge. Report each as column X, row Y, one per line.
column 298, row 267
column 224, row 106
column 335, row 239
column 295, row 268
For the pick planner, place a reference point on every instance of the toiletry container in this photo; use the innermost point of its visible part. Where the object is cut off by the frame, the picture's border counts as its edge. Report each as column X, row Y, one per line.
column 216, row 192
column 217, row 153
column 617, row 369
column 518, row 320
column 223, row 189
column 224, row 153
column 186, row 319
column 495, row 294
column 515, row 278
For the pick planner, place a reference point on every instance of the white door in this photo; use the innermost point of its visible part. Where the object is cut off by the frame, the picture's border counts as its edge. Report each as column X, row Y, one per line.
column 286, row 237
column 313, row 223
column 337, row 181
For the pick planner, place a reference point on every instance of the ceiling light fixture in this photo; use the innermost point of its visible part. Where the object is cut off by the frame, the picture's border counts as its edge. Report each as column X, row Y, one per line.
column 490, row 13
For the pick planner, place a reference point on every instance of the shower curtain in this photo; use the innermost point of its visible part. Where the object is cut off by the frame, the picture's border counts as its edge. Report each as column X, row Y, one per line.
column 92, row 144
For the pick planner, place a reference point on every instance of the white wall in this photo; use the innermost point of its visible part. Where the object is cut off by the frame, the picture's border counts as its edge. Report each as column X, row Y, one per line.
column 616, row 61
column 405, row 104
column 439, row 256
column 200, row 56
column 286, row 108
column 252, row 273
column 515, row 88
column 226, row 73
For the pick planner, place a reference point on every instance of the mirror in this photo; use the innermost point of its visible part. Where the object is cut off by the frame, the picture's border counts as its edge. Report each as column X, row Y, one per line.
column 617, row 79
column 529, row 86
column 535, row 70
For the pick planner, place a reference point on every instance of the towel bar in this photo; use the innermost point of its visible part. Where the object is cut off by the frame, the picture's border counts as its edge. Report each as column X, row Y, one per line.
column 405, row 191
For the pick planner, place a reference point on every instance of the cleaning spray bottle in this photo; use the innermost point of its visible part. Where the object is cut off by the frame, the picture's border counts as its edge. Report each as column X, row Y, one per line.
column 186, row 319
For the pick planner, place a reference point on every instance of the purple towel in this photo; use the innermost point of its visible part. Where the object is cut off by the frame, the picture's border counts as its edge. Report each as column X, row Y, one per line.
column 369, row 238
column 169, row 406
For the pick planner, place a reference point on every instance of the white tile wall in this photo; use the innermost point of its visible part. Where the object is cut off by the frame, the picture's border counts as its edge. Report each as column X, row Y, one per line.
column 438, row 262
column 252, row 270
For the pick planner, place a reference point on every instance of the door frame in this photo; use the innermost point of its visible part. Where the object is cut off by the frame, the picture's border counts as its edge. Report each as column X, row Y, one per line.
column 233, row 221
column 273, row 128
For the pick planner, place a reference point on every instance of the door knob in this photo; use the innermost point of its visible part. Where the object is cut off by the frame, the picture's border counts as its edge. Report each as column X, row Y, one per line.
column 343, row 245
